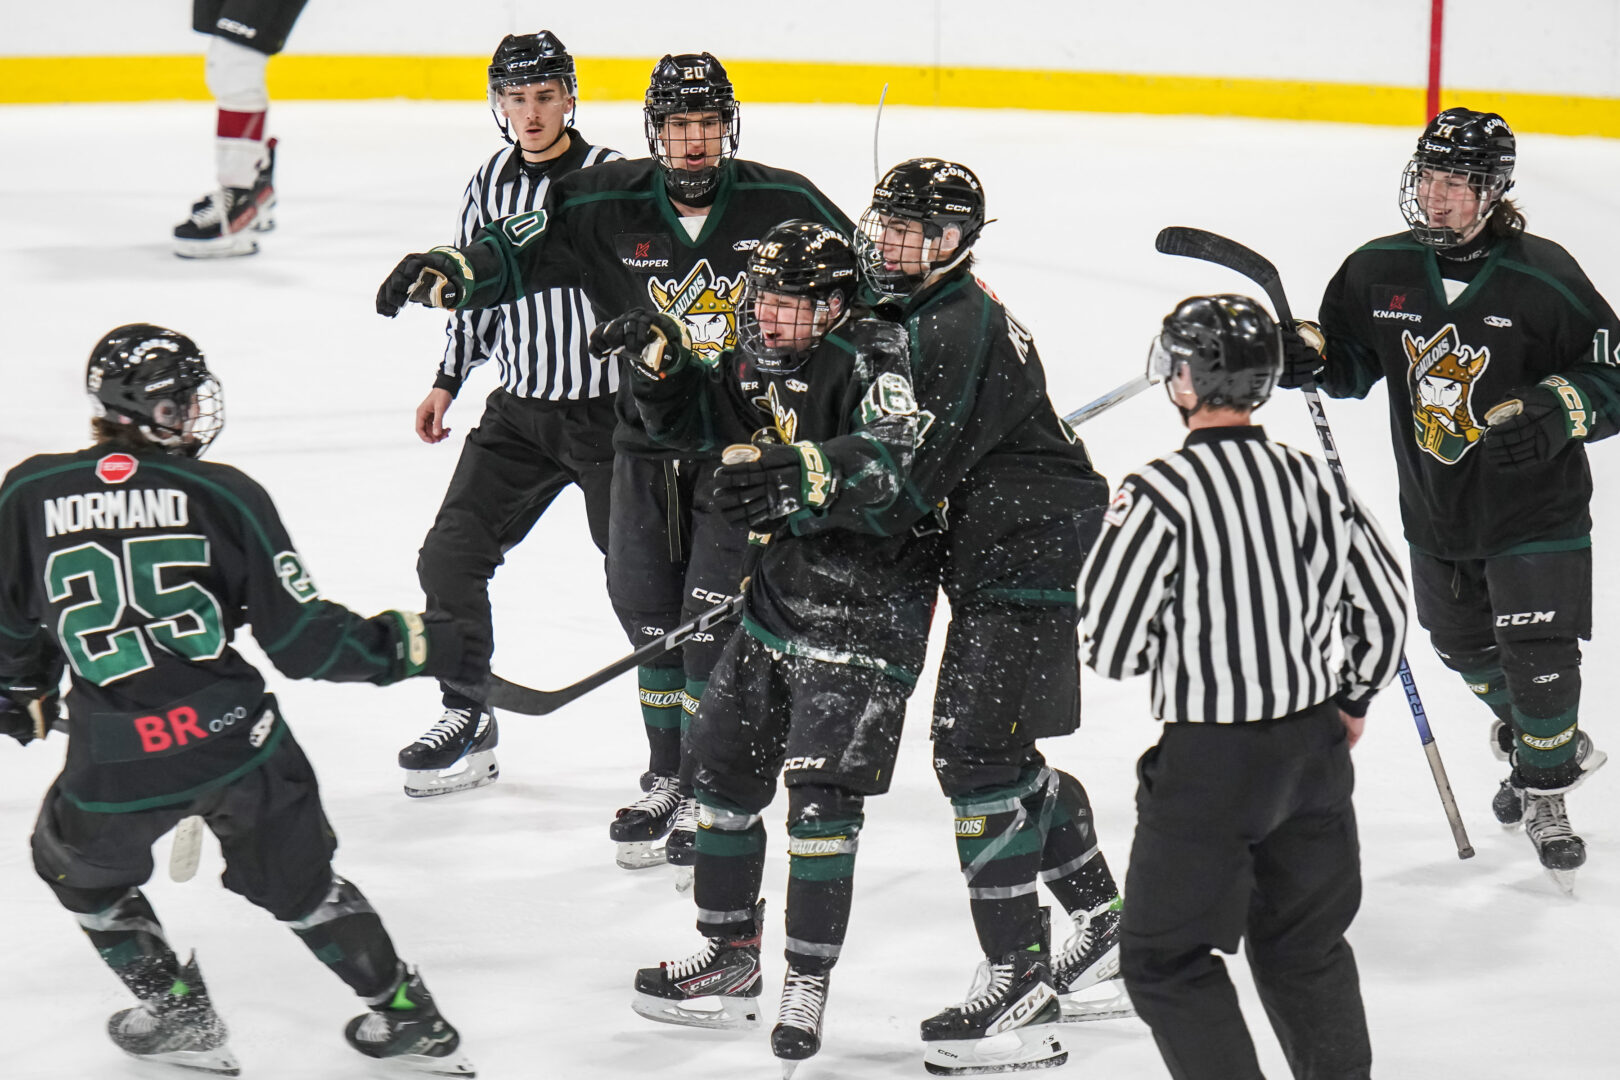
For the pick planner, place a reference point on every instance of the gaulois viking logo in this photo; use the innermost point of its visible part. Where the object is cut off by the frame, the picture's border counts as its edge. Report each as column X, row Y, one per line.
column 1441, row 380
column 785, row 419
column 706, row 303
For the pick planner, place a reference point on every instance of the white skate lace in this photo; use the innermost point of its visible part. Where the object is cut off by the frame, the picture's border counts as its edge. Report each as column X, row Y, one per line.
column 445, row 728
column 374, row 1028
column 1546, row 820
column 990, row 983
column 686, row 816
column 664, row 797
column 680, row 969
column 803, row 997
column 138, row 1021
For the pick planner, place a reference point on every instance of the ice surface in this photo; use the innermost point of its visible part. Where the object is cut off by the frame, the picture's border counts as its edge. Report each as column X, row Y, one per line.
column 508, row 897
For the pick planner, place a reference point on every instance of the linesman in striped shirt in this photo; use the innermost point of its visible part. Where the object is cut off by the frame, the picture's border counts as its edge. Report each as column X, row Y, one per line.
column 550, row 422
column 1227, row 569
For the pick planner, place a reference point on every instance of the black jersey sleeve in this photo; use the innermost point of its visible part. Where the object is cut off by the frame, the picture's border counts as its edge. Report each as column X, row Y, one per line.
column 1586, row 346
column 305, row 636
column 1351, row 366
column 26, row 650
column 694, row 407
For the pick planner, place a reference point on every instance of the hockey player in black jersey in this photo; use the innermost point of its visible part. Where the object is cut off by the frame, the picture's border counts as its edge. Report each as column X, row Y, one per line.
column 550, row 422
column 1022, row 505
column 816, row 411
column 670, row 232
column 1503, row 362
column 135, row 563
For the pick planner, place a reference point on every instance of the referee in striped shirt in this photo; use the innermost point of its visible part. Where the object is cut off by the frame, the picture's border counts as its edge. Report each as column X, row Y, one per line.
column 1227, row 569
column 548, row 425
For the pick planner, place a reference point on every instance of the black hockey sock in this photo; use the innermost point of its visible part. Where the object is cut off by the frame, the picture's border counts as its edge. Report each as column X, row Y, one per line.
column 727, row 868
column 999, row 835
column 689, row 704
column 823, row 835
column 1491, row 687
column 130, row 939
column 662, row 695
column 346, row 935
column 1072, row 864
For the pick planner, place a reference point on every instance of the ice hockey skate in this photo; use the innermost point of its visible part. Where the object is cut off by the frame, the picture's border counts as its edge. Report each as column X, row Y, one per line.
column 1006, row 1024
column 680, row 847
column 797, row 1034
column 178, row 1027
column 717, row 987
column 405, row 1031
column 639, row 827
column 1085, row 972
column 1508, row 803
column 226, row 221
column 1546, row 823
column 456, row 754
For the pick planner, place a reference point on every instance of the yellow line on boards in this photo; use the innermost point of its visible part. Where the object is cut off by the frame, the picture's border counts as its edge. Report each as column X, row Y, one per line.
column 295, row 77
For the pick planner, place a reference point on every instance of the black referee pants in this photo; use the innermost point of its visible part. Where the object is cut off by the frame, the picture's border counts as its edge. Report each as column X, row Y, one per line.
column 1246, row 831
column 523, row 452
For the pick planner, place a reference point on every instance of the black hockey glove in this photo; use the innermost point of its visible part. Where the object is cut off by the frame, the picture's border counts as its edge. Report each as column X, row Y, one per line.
column 762, row 485
column 435, row 644
column 441, row 278
column 655, row 343
column 1302, row 354
column 29, row 708
column 1534, row 424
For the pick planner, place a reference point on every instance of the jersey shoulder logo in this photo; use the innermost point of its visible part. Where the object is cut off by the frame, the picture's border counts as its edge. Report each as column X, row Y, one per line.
column 116, row 468
column 521, row 229
column 1119, row 507
column 1441, row 377
column 294, row 578
column 706, row 303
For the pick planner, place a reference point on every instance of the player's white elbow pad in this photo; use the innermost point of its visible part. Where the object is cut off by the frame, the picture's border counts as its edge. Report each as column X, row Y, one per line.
column 235, row 75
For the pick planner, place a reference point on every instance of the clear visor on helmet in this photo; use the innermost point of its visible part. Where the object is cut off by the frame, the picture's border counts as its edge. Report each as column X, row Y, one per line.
column 778, row 330
column 897, row 253
column 1447, row 206
column 1164, row 359
column 501, row 92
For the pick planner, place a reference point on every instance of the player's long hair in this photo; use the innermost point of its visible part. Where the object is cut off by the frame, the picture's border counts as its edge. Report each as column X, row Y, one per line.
column 1506, row 218
column 116, row 436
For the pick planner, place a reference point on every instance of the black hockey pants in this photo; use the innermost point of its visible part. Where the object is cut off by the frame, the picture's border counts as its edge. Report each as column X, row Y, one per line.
column 1246, row 831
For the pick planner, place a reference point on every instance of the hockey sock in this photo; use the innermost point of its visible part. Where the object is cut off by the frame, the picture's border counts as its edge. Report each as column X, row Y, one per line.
column 1072, row 864
column 235, row 75
column 1544, row 752
column 999, row 836
column 823, row 834
column 1490, row 686
column 663, row 694
column 727, row 868
column 689, row 705
column 130, row 939
column 346, row 935
column 238, row 147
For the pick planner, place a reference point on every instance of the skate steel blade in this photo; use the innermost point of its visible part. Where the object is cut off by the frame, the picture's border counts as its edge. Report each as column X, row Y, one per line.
column 224, row 247
column 475, row 771
column 403, row 1065
column 788, row 1068
column 683, row 878
column 216, row 1062
column 1033, row 1047
column 718, row 1013
column 639, row 854
column 1082, row 1010
column 1564, row 879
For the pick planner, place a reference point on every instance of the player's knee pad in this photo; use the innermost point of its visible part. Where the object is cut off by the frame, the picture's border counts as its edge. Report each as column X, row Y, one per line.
column 724, row 826
column 1544, row 675
column 963, row 769
column 346, row 934
column 1000, row 832
column 235, row 76
column 1480, row 665
column 824, row 831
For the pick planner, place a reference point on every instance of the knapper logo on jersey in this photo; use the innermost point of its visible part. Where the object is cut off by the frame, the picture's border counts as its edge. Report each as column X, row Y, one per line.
column 706, row 303
column 116, row 468
column 642, row 251
column 1441, row 380
column 1396, row 307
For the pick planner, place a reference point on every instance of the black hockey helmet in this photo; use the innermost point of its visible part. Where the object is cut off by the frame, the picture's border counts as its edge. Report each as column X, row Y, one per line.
column 1476, row 146
column 1229, row 345
column 521, row 59
column 156, row 379
column 683, row 84
column 942, row 196
column 796, row 259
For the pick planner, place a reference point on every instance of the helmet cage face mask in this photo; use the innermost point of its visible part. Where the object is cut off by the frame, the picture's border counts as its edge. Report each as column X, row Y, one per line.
column 526, row 59
column 158, row 381
column 688, row 86
column 942, row 197
column 881, row 231
column 1458, row 147
column 805, row 274
column 1488, row 188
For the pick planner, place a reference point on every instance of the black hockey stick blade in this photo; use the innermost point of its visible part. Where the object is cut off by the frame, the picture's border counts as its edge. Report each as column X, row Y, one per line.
column 1212, row 247
column 498, row 693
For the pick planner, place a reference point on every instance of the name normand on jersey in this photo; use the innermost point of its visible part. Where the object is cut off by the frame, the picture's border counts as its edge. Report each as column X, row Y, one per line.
column 139, row 508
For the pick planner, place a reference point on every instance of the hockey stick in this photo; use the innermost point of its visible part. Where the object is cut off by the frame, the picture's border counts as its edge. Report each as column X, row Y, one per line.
column 1123, row 392
column 498, row 693
column 1210, row 247
column 186, row 848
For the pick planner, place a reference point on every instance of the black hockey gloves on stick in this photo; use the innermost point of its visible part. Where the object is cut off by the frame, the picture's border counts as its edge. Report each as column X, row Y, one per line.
column 30, row 708
column 441, row 278
column 656, row 343
column 1536, row 423
column 496, row 693
column 762, row 485
column 1210, row 247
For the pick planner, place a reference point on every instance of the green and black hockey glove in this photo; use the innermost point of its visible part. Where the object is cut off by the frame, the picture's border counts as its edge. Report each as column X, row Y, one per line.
column 435, row 644
column 1535, row 424
column 441, row 278
column 29, row 708
column 762, row 485
column 1302, row 354
column 655, row 343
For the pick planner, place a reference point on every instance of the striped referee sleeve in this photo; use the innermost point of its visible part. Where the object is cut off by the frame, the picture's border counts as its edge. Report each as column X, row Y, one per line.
column 1372, row 613
column 473, row 334
column 1124, row 584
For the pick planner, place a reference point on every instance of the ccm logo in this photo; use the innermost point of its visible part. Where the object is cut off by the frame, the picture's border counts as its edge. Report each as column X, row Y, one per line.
column 1525, row 618
column 804, row 763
